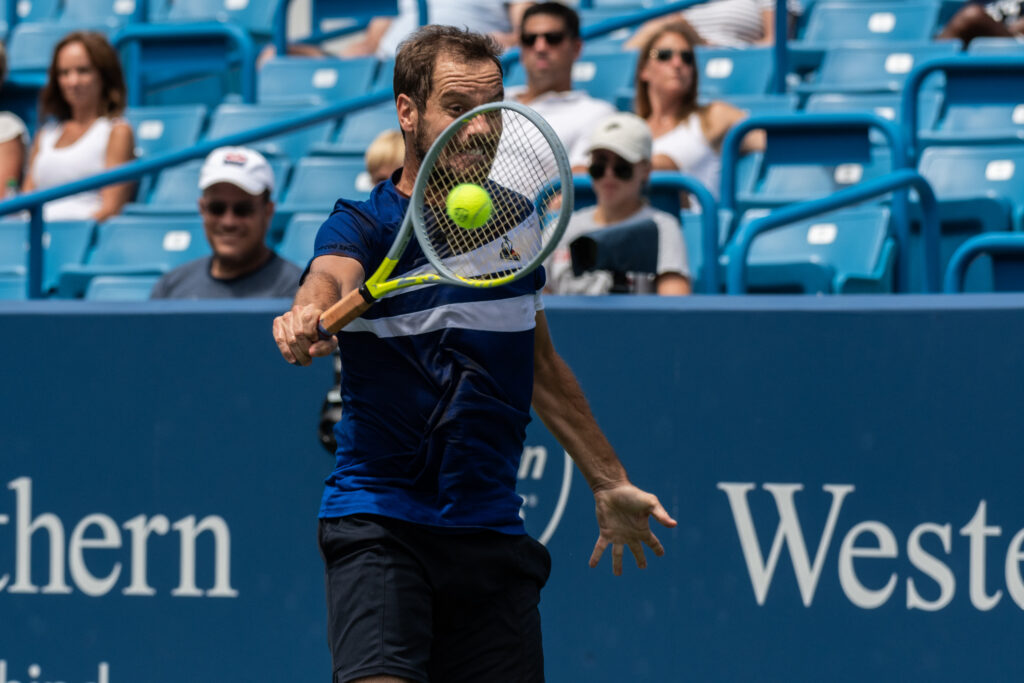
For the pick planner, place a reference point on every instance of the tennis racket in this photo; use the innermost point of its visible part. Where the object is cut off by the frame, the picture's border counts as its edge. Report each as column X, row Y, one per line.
column 511, row 152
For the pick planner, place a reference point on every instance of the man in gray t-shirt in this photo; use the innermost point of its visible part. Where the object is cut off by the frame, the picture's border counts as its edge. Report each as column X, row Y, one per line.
column 235, row 204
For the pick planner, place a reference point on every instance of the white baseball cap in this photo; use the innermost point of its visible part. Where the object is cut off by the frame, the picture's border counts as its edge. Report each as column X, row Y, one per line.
column 625, row 134
column 240, row 166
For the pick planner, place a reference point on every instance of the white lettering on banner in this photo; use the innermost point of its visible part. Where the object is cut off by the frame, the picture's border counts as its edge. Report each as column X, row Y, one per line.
column 94, row 538
column 855, row 545
column 35, row 672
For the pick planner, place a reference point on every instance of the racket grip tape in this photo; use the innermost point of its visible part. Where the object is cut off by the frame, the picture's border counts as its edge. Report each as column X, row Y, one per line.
column 350, row 307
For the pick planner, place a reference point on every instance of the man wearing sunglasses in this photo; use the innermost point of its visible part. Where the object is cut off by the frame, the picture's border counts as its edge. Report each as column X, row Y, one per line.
column 236, row 184
column 620, row 164
column 549, row 43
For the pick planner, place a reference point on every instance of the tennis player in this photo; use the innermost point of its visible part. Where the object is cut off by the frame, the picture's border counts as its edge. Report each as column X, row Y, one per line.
column 430, row 574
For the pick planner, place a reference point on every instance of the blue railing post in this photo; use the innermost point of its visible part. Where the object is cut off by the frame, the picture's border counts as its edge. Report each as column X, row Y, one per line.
column 280, row 29
column 781, row 47
column 35, row 252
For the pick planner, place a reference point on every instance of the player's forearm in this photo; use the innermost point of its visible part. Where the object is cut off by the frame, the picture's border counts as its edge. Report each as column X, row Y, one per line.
column 562, row 407
column 319, row 289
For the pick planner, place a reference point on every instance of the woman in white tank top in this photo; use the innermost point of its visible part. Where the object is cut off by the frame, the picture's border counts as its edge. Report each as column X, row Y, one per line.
column 81, row 133
column 687, row 136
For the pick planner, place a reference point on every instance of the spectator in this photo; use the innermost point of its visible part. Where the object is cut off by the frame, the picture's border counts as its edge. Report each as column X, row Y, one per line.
column 1001, row 19
column 492, row 17
column 687, row 136
column 81, row 131
column 550, row 42
column 12, row 141
column 726, row 23
column 236, row 185
column 385, row 155
column 620, row 164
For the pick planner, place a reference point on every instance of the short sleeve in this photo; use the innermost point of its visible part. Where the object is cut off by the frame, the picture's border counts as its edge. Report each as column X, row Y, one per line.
column 347, row 232
column 672, row 257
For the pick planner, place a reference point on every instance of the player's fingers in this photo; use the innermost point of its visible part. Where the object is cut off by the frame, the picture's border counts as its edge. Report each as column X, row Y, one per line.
column 280, row 339
column 617, row 552
column 661, row 514
column 298, row 342
column 638, row 554
column 323, row 347
column 655, row 544
column 599, row 547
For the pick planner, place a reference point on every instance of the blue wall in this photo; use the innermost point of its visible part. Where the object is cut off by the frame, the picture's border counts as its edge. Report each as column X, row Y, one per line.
column 854, row 427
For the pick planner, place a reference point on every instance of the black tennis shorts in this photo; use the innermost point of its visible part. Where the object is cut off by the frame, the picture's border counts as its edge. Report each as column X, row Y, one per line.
column 404, row 600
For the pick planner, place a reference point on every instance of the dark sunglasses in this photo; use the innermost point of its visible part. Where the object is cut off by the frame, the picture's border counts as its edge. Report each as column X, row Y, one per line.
column 623, row 170
column 240, row 209
column 552, row 38
column 665, row 55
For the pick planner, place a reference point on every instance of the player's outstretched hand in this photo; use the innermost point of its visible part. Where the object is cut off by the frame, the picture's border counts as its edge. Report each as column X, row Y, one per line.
column 623, row 519
column 297, row 338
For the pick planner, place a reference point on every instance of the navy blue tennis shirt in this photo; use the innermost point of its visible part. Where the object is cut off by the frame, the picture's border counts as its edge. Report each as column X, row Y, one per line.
column 436, row 386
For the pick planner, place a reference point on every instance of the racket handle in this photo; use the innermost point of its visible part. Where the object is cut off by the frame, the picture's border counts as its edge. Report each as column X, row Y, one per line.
column 350, row 307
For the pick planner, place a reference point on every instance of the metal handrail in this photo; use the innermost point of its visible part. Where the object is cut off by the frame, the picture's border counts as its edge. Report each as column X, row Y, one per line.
column 736, row 274
column 996, row 244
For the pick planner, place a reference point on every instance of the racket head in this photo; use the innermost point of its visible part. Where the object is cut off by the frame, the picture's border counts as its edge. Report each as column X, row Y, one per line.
column 510, row 151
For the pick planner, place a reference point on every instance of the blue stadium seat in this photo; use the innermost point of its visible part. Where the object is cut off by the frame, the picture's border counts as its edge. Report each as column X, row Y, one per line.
column 980, row 189
column 306, row 80
column 136, row 245
column 593, row 15
column 159, row 130
column 317, row 182
column 725, row 72
column 299, row 236
column 603, row 74
column 775, row 181
column 995, row 46
column 979, row 107
column 875, row 68
column 30, row 50
column 176, row 190
column 759, row 105
column 385, row 75
column 358, row 129
column 109, row 13
column 834, row 22
column 64, row 243
column 13, row 287
column 255, row 16
column 979, row 185
column 234, row 118
column 887, row 105
column 844, row 252
column 120, row 287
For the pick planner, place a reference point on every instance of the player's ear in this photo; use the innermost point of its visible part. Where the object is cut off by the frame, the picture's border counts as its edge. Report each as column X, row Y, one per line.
column 408, row 113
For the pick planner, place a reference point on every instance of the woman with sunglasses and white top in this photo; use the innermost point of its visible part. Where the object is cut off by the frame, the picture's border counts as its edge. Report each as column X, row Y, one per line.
column 620, row 165
column 82, row 132
column 687, row 135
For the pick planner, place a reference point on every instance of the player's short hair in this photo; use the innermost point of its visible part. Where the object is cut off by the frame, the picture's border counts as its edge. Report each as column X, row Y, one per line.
column 107, row 63
column 555, row 9
column 417, row 56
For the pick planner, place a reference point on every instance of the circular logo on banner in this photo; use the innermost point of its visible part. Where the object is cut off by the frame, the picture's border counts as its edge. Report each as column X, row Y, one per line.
column 545, row 481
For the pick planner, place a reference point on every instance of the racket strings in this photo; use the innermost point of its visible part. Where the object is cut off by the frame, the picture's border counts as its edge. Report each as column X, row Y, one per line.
column 505, row 153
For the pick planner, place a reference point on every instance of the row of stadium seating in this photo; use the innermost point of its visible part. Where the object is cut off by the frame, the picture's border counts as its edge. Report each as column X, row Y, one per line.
column 969, row 128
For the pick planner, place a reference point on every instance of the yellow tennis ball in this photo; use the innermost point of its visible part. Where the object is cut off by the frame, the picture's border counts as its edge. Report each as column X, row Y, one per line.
column 469, row 205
